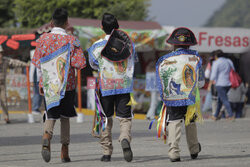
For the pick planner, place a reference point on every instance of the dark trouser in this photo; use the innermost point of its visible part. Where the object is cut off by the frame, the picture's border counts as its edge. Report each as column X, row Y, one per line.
column 118, row 104
column 237, row 107
column 222, row 99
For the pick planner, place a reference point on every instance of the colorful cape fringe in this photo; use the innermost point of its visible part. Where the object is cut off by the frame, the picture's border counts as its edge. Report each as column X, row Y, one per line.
column 132, row 101
column 161, row 123
column 101, row 123
column 194, row 110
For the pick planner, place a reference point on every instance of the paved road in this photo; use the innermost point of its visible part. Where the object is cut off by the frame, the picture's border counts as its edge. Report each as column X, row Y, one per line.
column 223, row 144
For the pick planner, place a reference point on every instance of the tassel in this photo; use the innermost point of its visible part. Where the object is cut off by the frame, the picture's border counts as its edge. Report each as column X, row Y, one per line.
column 161, row 121
column 97, row 128
column 132, row 101
column 151, row 123
column 194, row 110
column 165, row 135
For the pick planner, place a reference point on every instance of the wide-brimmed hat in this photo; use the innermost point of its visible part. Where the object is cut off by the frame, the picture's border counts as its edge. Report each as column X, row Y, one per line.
column 119, row 46
column 182, row 36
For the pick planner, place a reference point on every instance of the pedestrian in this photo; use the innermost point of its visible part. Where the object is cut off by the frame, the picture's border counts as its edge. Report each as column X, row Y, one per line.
column 179, row 77
column 4, row 64
column 34, row 76
column 212, row 95
column 220, row 76
column 236, row 97
column 58, row 54
column 114, row 58
column 152, row 88
column 208, row 98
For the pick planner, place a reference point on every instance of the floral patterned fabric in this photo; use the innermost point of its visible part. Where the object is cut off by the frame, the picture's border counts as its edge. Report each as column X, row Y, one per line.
column 51, row 42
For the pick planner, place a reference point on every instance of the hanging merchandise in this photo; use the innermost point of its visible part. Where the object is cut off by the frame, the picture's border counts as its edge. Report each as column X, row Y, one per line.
column 12, row 44
column 23, row 37
column 3, row 38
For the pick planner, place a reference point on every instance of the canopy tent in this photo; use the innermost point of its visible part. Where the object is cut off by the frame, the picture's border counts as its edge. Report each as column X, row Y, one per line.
column 145, row 40
column 146, row 35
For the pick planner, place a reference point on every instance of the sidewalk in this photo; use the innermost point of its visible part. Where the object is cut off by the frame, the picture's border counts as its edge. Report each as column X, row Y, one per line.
column 86, row 112
column 224, row 144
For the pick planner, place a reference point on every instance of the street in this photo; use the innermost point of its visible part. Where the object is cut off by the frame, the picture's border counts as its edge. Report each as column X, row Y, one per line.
column 224, row 143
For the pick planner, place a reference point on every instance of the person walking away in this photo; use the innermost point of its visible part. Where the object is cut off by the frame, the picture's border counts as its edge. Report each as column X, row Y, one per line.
column 208, row 99
column 179, row 77
column 236, row 97
column 220, row 76
column 34, row 75
column 58, row 55
column 152, row 88
column 4, row 64
column 213, row 91
column 114, row 57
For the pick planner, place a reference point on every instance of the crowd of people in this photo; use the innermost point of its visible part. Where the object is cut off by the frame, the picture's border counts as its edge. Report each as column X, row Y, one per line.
column 177, row 77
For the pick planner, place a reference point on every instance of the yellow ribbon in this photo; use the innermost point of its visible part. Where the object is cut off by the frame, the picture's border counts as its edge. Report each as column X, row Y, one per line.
column 194, row 110
column 132, row 101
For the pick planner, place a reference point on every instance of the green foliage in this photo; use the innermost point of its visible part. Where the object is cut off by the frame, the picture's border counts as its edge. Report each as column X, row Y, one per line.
column 46, row 82
column 34, row 13
column 128, row 10
column 234, row 13
column 7, row 14
column 165, row 76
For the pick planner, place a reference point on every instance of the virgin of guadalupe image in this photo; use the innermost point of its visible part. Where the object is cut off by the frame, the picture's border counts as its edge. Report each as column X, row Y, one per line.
column 188, row 76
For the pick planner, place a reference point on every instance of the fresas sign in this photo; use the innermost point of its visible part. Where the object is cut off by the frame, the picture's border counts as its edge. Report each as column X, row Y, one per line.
column 230, row 40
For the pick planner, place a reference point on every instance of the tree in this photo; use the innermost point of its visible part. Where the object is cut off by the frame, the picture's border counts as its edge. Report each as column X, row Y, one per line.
column 232, row 14
column 33, row 13
column 7, row 15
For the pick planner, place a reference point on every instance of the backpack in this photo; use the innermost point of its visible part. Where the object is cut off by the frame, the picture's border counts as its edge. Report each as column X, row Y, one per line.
column 234, row 78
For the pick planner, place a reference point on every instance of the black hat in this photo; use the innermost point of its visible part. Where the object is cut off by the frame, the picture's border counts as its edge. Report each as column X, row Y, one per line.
column 182, row 36
column 118, row 47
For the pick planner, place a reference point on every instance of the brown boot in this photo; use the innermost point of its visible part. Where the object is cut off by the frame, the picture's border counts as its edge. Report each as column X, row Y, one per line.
column 46, row 147
column 7, row 121
column 65, row 153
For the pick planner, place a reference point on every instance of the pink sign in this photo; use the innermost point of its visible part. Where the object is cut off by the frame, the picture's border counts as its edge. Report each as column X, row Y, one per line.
column 91, row 82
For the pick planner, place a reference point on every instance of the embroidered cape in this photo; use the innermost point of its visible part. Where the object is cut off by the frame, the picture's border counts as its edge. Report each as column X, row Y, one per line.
column 177, row 76
column 55, row 68
column 115, row 77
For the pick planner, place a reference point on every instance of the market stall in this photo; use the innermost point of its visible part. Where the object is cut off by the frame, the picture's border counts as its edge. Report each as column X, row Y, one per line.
column 16, row 44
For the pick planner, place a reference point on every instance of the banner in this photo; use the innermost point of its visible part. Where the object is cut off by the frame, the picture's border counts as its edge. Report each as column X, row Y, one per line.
column 145, row 40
